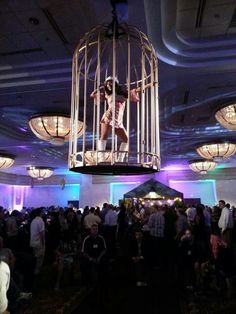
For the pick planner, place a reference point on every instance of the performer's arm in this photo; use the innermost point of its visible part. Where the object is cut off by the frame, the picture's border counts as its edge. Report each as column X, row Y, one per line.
column 95, row 92
column 139, row 89
column 135, row 92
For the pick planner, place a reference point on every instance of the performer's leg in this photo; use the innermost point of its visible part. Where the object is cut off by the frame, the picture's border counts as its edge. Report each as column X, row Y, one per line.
column 101, row 144
column 122, row 134
column 105, row 130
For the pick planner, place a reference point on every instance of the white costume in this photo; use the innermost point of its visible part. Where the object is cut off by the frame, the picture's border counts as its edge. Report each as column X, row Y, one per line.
column 37, row 232
column 119, row 108
column 4, row 285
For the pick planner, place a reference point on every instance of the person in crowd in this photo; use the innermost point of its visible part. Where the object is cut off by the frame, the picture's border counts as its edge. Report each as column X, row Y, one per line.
column 122, row 225
column 4, row 286
column 121, row 94
column 199, row 232
column 187, row 256
column 65, row 259
column 207, row 216
column 84, row 232
column 91, row 219
column 72, row 224
column 2, row 222
column 104, row 210
column 62, row 219
column 170, row 236
column 156, row 226
column 144, row 220
column 226, row 262
column 181, row 222
column 79, row 226
column 136, row 217
column 110, row 230
column 98, row 211
column 217, row 244
column 191, row 213
column 79, row 217
column 53, row 233
column 215, row 216
column 226, row 222
column 7, row 255
column 234, row 228
column 139, row 252
column 37, row 239
column 15, row 293
column 12, row 229
column 141, row 208
column 94, row 257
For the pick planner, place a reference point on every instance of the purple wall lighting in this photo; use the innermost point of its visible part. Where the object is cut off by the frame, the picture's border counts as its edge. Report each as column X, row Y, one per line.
column 51, row 195
column 173, row 167
column 19, row 196
column 6, row 196
column 16, row 197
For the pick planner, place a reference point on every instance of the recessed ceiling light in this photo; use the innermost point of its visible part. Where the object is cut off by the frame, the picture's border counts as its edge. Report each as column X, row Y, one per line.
column 34, row 20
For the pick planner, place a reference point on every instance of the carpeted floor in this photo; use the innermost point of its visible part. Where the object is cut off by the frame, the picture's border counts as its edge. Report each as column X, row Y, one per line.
column 47, row 301
column 119, row 294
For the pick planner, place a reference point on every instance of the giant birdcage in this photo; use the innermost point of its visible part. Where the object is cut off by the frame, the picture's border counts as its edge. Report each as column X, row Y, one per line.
column 121, row 52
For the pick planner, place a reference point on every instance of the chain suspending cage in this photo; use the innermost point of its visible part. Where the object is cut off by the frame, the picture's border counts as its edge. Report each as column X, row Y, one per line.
column 120, row 51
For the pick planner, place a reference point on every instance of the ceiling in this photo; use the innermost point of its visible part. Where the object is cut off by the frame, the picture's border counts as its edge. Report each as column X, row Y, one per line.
column 195, row 41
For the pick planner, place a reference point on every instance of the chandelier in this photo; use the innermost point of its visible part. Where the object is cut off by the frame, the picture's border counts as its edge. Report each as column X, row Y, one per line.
column 40, row 173
column 226, row 116
column 202, row 166
column 217, row 150
column 54, row 128
column 6, row 161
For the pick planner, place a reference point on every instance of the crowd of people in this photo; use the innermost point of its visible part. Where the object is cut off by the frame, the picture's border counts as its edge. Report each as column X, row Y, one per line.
column 196, row 242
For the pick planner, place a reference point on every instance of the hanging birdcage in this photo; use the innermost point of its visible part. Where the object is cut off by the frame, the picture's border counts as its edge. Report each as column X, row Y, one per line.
column 122, row 54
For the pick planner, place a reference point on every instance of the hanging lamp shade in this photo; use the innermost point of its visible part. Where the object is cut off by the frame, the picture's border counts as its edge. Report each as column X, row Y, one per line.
column 40, row 173
column 226, row 116
column 202, row 166
column 54, row 128
column 217, row 150
column 6, row 161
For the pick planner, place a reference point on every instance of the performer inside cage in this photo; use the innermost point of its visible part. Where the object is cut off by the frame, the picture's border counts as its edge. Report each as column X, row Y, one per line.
column 106, row 121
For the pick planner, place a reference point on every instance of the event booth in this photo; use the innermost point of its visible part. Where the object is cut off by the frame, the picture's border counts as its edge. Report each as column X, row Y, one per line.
column 153, row 192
